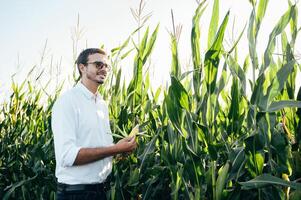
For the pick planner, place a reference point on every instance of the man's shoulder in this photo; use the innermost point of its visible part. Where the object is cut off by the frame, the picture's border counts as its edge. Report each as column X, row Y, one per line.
column 65, row 99
column 66, row 95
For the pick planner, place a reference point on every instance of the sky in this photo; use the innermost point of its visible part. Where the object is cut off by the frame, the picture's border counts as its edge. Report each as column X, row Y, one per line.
column 27, row 25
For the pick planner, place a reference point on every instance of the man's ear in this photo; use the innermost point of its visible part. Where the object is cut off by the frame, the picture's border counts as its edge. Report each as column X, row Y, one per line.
column 82, row 68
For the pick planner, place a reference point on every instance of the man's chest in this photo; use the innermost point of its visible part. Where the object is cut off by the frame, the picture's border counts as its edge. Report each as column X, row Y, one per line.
column 92, row 125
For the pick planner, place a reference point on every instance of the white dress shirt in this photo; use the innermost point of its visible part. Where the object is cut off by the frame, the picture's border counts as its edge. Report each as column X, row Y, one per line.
column 80, row 119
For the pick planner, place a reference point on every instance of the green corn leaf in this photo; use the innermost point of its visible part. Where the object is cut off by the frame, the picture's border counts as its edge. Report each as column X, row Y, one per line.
column 260, row 14
column 258, row 90
column 220, row 86
column 213, row 152
column 298, row 115
column 117, row 84
column 150, row 45
column 284, row 42
column 246, row 63
column 134, row 177
column 125, row 44
column 137, row 81
column 150, row 190
column 185, row 74
column 293, row 26
column 282, row 150
column 176, row 100
column 291, row 83
column 145, row 49
column 288, row 56
column 222, row 81
column 274, row 89
column 202, row 134
column 121, row 47
column 255, row 153
column 237, row 157
column 176, row 181
column 13, row 187
column 221, row 180
column 295, row 195
column 143, row 43
column 195, row 47
column 252, row 42
column 213, row 23
column 267, row 180
column 135, row 45
column 238, row 39
column 212, row 57
column 157, row 94
column 146, row 84
column 259, row 158
column 192, row 142
column 126, row 54
column 179, row 94
column 282, row 23
column 175, row 63
column 278, row 105
column 277, row 84
column 234, row 107
column 252, row 2
column 237, row 72
column 174, row 112
column 149, row 148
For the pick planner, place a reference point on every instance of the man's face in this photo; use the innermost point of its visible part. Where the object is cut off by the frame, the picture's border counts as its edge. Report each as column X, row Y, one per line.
column 96, row 68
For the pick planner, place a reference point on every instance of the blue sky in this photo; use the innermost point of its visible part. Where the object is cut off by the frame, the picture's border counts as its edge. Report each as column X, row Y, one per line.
column 27, row 24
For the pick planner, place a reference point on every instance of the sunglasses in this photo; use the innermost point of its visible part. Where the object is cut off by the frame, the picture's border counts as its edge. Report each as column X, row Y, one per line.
column 100, row 65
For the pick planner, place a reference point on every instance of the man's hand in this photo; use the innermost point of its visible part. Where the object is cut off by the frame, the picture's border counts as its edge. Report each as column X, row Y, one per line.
column 127, row 144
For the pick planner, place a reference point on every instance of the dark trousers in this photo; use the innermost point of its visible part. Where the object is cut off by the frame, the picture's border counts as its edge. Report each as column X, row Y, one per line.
column 81, row 192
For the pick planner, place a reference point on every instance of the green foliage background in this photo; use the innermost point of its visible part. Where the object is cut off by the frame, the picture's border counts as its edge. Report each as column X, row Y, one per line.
column 205, row 138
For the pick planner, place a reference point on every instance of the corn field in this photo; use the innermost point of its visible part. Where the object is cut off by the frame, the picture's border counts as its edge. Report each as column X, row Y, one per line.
column 206, row 136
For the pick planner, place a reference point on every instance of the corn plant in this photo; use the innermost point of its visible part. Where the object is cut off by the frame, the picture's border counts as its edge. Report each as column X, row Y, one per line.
column 27, row 155
column 208, row 138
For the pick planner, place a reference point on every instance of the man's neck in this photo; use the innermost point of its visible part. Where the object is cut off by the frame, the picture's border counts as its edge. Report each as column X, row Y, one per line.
column 91, row 86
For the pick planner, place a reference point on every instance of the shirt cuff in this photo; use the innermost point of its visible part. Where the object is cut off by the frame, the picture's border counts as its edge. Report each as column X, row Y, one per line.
column 70, row 157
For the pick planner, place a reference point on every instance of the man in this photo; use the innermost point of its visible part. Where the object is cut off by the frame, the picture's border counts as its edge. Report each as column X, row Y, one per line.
column 82, row 137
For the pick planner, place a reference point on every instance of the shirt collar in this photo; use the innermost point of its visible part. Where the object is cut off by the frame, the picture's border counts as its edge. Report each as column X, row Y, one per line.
column 87, row 93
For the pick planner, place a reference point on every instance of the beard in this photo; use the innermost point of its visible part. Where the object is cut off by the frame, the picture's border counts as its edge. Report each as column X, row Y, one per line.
column 94, row 78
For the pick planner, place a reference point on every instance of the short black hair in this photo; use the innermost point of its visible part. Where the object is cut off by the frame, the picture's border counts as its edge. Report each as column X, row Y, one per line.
column 83, row 56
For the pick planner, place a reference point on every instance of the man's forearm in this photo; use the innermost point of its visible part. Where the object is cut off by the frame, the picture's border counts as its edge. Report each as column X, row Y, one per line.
column 88, row 155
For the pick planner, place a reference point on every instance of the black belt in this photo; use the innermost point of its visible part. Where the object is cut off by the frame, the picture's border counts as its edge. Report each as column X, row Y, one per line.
column 62, row 187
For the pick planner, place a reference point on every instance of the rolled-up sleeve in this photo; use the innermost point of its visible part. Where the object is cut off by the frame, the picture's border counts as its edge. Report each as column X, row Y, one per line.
column 64, row 132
